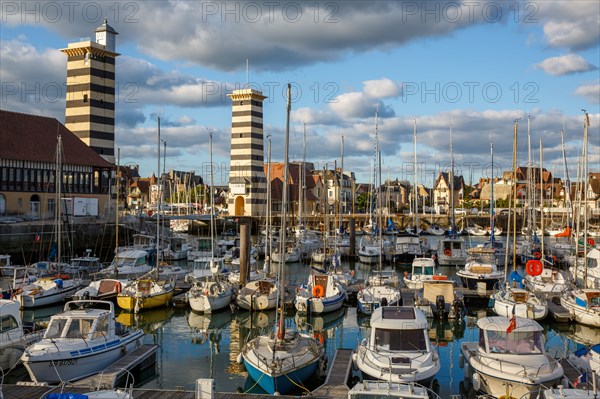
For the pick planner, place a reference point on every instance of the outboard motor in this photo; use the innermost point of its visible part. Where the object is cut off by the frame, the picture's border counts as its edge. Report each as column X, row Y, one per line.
column 440, row 305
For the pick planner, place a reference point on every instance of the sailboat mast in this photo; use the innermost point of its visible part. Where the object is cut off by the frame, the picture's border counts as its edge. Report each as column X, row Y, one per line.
column 212, row 224
column 492, row 224
column 281, row 324
column 541, row 198
column 416, row 170
column 514, row 246
column 59, row 179
column 342, row 197
column 268, row 243
column 451, row 178
column 377, row 184
column 585, row 198
column 117, row 213
column 568, row 201
column 158, row 195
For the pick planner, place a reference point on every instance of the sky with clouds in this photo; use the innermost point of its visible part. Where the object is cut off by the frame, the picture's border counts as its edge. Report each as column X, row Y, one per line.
column 478, row 65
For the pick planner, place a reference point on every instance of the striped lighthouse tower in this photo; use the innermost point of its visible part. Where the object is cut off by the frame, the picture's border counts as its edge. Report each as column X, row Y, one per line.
column 90, row 108
column 247, row 181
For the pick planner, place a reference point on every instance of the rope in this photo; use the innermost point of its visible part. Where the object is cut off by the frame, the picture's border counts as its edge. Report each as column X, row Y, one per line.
column 301, row 386
column 256, row 383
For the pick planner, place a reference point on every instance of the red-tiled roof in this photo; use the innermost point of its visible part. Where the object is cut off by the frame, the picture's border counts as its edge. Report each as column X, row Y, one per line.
column 33, row 138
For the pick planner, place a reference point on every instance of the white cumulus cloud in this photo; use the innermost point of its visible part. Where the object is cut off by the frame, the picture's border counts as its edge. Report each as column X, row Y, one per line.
column 565, row 65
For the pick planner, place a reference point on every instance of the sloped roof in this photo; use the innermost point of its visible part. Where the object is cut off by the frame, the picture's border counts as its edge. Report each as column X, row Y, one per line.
column 29, row 137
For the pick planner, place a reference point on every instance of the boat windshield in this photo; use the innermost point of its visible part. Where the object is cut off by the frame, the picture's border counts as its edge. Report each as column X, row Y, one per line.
column 130, row 262
column 69, row 328
column 400, row 340
column 517, row 342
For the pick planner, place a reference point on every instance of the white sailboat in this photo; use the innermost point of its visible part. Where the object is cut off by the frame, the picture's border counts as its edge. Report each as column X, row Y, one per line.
column 451, row 250
column 283, row 359
column 213, row 294
column 378, row 293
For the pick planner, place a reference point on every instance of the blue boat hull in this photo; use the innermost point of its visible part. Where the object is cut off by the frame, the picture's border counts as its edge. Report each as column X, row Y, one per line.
column 281, row 383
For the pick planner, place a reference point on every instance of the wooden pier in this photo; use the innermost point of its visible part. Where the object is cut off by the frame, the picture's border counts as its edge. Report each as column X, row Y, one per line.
column 336, row 383
column 142, row 357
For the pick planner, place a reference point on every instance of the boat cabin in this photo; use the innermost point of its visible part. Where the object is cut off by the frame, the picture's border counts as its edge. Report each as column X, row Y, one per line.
column 10, row 321
column 526, row 338
column 131, row 258
column 592, row 298
column 79, row 321
column 399, row 328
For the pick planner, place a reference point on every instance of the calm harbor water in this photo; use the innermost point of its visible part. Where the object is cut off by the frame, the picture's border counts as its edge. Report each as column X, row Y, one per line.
column 197, row 346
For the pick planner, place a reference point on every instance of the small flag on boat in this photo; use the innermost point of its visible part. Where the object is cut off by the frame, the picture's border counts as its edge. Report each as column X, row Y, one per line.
column 512, row 324
column 582, row 379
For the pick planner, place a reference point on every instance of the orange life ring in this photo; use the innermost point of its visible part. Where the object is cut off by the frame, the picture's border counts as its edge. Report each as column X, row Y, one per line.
column 591, row 242
column 318, row 291
column 440, row 277
column 534, row 267
column 537, row 255
column 448, row 252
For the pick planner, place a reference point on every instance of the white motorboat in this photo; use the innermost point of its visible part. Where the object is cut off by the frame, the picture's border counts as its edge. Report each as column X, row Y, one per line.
column 258, row 295
column 435, row 230
column 370, row 250
column 509, row 359
column 86, row 263
column 383, row 277
column 171, row 272
column 375, row 389
column 409, row 246
column 422, row 269
column 480, row 268
column 398, row 349
column 291, row 254
column 13, row 338
column 128, row 264
column 519, row 301
column 451, row 251
column 322, row 294
column 374, row 296
column 584, row 305
column 82, row 340
column 210, row 296
column 46, row 291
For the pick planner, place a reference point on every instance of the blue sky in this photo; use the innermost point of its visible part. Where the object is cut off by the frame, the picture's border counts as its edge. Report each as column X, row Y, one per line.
column 479, row 64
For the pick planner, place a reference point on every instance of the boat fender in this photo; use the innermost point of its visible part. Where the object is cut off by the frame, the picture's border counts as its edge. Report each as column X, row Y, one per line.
column 461, row 361
column 448, row 252
column 467, row 369
column 591, row 242
column 491, row 302
column 537, row 255
column 354, row 359
column 239, row 358
column 118, row 287
column 476, row 381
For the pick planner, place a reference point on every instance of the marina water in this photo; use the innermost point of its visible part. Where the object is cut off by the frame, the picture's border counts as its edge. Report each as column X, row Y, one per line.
column 193, row 346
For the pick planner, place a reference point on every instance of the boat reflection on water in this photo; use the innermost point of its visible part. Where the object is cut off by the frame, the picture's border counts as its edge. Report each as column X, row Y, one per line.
column 41, row 315
column 320, row 322
column 205, row 326
column 445, row 331
column 148, row 320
